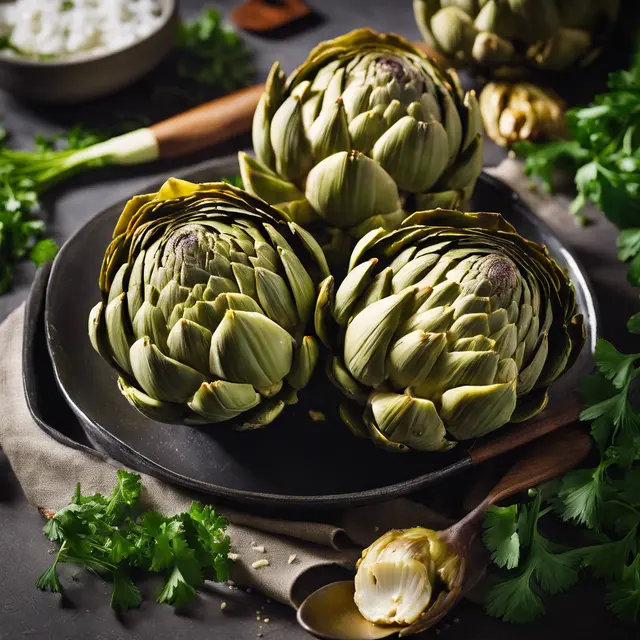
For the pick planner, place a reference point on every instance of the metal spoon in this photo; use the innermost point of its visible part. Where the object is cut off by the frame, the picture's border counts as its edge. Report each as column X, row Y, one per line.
column 330, row 612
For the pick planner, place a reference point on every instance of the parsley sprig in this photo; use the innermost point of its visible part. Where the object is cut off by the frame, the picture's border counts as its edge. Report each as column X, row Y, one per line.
column 210, row 53
column 108, row 535
column 604, row 157
column 209, row 57
column 604, row 501
column 24, row 175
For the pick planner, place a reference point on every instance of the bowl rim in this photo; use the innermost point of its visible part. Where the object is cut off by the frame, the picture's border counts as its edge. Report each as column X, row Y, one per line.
column 169, row 13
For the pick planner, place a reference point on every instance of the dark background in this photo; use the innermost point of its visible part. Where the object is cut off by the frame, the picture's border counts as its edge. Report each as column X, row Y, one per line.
column 84, row 611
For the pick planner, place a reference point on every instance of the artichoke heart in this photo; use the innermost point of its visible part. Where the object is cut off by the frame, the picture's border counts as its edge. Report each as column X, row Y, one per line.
column 515, row 37
column 447, row 329
column 402, row 573
column 364, row 130
column 207, row 293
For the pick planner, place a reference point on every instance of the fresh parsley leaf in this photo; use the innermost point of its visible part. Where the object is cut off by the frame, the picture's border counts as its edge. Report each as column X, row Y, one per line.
column 125, row 495
column 580, row 496
column 604, row 157
column 48, row 581
column 125, row 595
column 629, row 487
column 628, row 244
column 514, row 600
column 615, row 366
column 44, row 250
column 185, row 575
column 604, row 499
column 555, row 570
column 500, row 535
column 212, row 543
column 210, row 53
column 606, row 560
column 107, row 535
column 623, row 597
column 177, row 590
column 24, row 175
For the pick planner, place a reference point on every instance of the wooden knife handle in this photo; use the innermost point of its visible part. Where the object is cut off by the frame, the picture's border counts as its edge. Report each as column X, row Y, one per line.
column 207, row 124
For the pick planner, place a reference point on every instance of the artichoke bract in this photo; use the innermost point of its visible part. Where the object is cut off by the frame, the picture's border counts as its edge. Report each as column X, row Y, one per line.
column 512, row 37
column 207, row 293
column 402, row 573
column 365, row 129
column 452, row 325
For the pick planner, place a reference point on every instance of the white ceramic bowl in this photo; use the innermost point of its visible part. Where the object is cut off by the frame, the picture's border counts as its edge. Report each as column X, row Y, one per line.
column 89, row 76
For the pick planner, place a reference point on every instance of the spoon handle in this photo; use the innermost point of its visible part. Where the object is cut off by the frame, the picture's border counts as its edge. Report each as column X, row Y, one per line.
column 549, row 458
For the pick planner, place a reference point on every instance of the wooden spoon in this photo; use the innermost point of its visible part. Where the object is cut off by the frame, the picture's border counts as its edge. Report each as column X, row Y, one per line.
column 265, row 15
column 331, row 613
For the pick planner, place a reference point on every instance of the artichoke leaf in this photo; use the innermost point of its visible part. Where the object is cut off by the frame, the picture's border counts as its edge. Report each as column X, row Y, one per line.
column 368, row 336
column 119, row 334
column 410, row 421
column 259, row 179
column 300, row 283
column 161, row 377
column 473, row 411
column 265, row 413
column 250, row 348
column 189, row 343
column 220, row 400
column 355, row 282
column 323, row 321
column 304, row 363
column 412, row 357
column 154, row 409
column 276, row 300
column 347, row 188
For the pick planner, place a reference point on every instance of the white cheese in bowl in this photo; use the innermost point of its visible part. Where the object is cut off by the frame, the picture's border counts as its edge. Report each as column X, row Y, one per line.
column 68, row 28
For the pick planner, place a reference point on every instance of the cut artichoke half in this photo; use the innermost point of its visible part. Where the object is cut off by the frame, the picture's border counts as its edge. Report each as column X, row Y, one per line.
column 447, row 329
column 512, row 112
column 207, row 293
column 402, row 574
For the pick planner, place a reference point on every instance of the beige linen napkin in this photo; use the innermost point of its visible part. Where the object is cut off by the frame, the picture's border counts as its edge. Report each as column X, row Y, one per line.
column 48, row 472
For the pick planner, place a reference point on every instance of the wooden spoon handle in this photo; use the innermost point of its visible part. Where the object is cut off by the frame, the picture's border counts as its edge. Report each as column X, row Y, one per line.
column 207, row 124
column 547, row 459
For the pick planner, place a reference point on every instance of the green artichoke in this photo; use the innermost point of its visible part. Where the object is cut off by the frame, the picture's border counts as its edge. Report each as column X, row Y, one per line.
column 206, row 296
column 364, row 130
column 512, row 37
column 402, row 574
column 451, row 325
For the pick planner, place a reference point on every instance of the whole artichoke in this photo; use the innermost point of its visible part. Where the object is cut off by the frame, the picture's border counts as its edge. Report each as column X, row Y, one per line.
column 402, row 574
column 451, row 325
column 512, row 37
column 206, row 295
column 364, row 130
